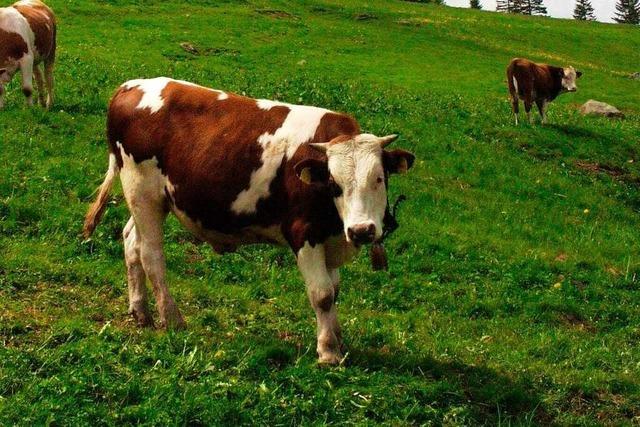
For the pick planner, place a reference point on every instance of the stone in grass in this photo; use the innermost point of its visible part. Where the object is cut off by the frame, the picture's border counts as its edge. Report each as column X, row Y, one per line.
column 635, row 76
column 597, row 108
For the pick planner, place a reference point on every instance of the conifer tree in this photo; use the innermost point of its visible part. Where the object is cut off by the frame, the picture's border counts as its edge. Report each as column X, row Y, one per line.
column 584, row 11
column 508, row 6
column 532, row 7
column 475, row 4
column 627, row 12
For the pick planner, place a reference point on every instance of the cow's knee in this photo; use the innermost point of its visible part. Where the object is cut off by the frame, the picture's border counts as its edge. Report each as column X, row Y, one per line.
column 322, row 299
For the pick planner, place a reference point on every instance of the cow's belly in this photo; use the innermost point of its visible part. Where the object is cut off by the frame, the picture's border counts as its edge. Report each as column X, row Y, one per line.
column 223, row 242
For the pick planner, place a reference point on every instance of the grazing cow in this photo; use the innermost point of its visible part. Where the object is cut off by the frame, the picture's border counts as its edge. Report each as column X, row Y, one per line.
column 541, row 83
column 235, row 171
column 28, row 38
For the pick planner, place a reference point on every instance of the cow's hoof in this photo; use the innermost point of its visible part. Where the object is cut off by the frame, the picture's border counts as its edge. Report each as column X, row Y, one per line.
column 142, row 317
column 330, row 359
column 173, row 320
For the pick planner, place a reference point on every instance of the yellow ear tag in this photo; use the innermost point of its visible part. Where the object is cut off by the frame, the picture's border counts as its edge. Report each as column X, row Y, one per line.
column 305, row 175
column 403, row 166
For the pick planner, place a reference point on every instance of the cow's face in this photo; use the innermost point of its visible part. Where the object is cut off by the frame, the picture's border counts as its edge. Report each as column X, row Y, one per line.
column 569, row 79
column 356, row 173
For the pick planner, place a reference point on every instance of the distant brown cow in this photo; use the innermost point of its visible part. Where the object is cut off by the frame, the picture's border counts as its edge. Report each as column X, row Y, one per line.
column 541, row 83
column 28, row 38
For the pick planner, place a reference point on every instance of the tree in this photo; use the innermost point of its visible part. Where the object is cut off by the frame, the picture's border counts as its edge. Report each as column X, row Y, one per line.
column 584, row 11
column 627, row 12
column 509, row 6
column 475, row 4
column 533, row 7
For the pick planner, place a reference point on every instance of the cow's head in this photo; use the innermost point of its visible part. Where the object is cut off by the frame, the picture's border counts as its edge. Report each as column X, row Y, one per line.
column 356, row 172
column 569, row 77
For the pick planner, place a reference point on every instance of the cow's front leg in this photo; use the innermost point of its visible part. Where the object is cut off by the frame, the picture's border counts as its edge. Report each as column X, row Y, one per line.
column 528, row 103
column 37, row 73
column 322, row 295
column 26, row 70
column 136, row 277
column 542, row 109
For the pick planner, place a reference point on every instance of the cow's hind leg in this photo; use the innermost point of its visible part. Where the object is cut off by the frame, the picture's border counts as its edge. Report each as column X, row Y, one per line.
column 143, row 187
column 515, row 107
column 321, row 290
column 136, row 278
column 149, row 221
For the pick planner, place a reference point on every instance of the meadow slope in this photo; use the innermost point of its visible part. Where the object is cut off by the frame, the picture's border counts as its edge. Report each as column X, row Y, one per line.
column 513, row 293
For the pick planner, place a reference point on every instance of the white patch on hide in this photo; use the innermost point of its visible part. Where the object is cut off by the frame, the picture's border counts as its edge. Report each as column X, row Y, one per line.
column 299, row 127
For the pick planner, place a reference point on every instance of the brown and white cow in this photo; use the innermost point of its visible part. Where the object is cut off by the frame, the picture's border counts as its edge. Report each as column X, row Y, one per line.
column 539, row 83
column 235, row 171
column 27, row 39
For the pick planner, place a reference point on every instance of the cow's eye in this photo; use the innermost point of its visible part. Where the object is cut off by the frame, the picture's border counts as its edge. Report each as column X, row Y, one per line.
column 334, row 189
column 379, row 180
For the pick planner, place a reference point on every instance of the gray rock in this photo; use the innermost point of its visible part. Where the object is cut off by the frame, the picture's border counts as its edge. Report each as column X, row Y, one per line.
column 597, row 108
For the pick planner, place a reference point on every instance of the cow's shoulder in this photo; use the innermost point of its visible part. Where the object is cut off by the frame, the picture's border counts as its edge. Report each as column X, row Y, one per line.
column 13, row 46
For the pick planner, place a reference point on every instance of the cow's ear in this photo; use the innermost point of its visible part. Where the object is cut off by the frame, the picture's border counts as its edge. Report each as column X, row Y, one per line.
column 578, row 74
column 312, row 170
column 397, row 161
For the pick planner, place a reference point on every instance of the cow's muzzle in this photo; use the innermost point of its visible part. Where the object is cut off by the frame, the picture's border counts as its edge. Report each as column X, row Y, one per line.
column 361, row 234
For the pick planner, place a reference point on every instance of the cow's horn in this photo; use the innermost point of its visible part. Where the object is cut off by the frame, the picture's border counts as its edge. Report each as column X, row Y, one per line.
column 320, row 146
column 386, row 140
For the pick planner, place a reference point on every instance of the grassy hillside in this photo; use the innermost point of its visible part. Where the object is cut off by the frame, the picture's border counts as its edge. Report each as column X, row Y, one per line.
column 513, row 294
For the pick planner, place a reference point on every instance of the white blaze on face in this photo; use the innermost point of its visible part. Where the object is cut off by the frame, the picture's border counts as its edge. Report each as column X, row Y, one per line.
column 569, row 80
column 356, row 167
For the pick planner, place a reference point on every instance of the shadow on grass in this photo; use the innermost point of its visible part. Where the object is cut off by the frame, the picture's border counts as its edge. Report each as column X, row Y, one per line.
column 573, row 131
column 492, row 395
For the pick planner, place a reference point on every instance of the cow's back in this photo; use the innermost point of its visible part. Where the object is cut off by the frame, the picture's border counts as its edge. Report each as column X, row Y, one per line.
column 223, row 154
column 42, row 23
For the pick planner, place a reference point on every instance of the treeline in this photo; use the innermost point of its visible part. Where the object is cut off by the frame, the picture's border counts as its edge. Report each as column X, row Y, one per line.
column 627, row 11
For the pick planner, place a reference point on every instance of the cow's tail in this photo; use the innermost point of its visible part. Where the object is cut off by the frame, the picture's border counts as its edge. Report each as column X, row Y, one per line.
column 513, row 83
column 94, row 214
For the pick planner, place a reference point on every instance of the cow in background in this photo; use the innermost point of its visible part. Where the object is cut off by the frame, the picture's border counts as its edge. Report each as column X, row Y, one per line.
column 28, row 39
column 539, row 83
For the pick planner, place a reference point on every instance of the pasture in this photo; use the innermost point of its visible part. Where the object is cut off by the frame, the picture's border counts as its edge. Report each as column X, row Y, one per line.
column 513, row 294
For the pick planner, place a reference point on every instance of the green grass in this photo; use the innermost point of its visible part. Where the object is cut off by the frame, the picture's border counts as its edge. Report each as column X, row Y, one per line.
column 513, row 291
